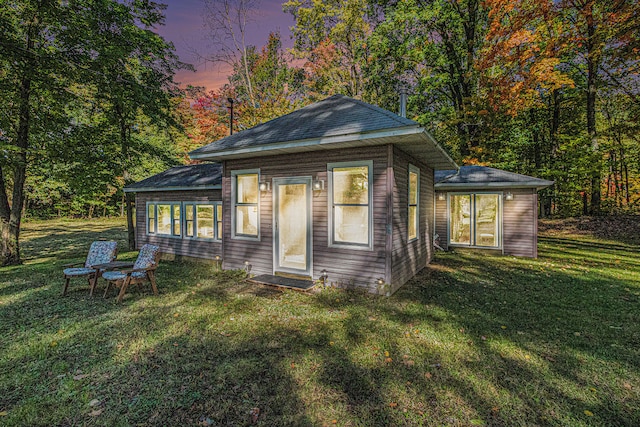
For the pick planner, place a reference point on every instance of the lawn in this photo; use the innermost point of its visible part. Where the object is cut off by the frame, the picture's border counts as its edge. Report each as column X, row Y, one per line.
column 472, row 340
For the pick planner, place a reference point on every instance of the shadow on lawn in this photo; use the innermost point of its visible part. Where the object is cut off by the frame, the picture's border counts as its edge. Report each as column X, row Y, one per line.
column 564, row 320
column 169, row 360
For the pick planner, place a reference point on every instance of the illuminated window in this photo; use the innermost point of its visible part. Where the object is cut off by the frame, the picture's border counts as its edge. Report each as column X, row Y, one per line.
column 475, row 219
column 414, row 197
column 350, row 203
column 164, row 218
column 200, row 219
column 245, row 195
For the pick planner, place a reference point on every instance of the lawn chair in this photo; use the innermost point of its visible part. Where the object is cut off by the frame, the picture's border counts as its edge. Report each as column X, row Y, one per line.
column 100, row 252
column 143, row 270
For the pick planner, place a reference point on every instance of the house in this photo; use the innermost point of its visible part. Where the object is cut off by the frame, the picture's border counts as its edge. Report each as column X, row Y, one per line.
column 339, row 189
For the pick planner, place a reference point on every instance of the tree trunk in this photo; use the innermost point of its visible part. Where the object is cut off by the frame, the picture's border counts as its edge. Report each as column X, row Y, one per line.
column 130, row 229
column 593, row 59
column 10, row 230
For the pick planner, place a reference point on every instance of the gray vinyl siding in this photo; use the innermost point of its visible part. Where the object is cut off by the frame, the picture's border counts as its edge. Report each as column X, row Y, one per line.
column 206, row 249
column 442, row 221
column 519, row 225
column 409, row 257
column 346, row 267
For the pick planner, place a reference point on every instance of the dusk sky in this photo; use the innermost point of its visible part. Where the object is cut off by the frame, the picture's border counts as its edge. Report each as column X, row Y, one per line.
column 185, row 28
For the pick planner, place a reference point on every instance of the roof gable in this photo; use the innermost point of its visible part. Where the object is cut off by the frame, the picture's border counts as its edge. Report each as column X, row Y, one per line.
column 205, row 176
column 483, row 176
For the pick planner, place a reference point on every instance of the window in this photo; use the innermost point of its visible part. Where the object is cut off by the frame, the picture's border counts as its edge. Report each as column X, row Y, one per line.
column 350, row 204
column 196, row 220
column 245, row 204
column 413, row 209
column 151, row 218
column 164, row 218
column 200, row 219
column 475, row 219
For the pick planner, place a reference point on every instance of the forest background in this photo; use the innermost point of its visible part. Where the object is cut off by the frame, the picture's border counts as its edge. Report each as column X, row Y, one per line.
column 548, row 88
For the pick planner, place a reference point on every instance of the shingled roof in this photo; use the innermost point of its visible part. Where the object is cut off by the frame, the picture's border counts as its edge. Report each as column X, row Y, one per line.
column 205, row 176
column 485, row 177
column 335, row 122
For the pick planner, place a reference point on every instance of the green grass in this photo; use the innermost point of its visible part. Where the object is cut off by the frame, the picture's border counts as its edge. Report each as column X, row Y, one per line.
column 473, row 340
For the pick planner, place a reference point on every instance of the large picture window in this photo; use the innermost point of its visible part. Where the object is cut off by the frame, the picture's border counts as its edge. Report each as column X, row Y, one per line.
column 350, row 203
column 245, row 204
column 413, row 203
column 193, row 220
column 163, row 218
column 475, row 219
column 203, row 220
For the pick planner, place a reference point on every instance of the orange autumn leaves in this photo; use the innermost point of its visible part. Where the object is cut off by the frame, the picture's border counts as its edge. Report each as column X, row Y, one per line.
column 521, row 57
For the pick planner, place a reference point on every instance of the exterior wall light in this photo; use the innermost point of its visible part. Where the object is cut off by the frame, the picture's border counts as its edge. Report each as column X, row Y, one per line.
column 442, row 196
column 508, row 195
column 323, row 276
column 264, row 186
column 318, row 184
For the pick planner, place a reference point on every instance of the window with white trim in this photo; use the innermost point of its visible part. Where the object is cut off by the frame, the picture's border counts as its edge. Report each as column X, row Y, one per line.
column 197, row 220
column 413, row 203
column 475, row 219
column 245, row 198
column 350, row 204
column 163, row 218
column 203, row 220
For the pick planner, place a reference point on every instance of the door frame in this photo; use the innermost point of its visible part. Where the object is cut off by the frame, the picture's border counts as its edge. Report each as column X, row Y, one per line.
column 308, row 180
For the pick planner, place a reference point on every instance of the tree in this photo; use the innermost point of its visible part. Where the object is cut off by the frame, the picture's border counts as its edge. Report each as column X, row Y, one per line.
column 433, row 47
column 54, row 52
column 331, row 36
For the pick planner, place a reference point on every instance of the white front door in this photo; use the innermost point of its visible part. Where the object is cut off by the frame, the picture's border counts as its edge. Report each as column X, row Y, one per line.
column 292, row 235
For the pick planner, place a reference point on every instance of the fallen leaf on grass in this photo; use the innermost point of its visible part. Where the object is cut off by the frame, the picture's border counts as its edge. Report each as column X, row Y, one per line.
column 334, row 421
column 79, row 377
column 388, row 360
column 255, row 414
column 428, row 375
column 386, row 354
column 95, row 412
column 588, row 413
column 94, row 402
column 3, row 413
column 393, row 404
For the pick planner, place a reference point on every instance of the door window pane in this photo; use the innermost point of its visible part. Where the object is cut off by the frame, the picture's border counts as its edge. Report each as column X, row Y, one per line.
column 486, row 224
column 460, row 219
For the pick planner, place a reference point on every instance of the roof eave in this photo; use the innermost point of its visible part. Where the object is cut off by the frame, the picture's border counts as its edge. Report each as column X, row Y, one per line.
column 174, row 188
column 303, row 144
column 397, row 136
column 473, row 185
